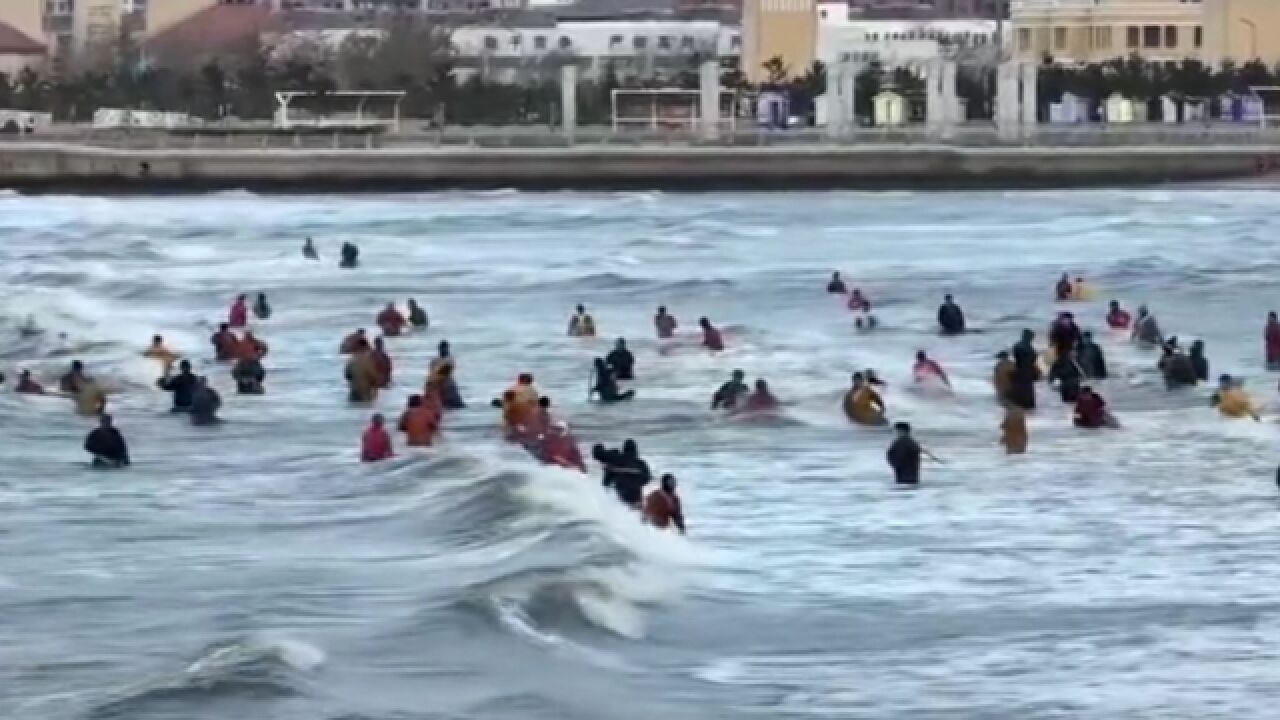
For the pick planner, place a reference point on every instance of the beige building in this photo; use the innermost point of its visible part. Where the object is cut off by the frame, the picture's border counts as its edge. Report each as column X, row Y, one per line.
column 1074, row 31
column 787, row 29
column 165, row 14
column 1240, row 30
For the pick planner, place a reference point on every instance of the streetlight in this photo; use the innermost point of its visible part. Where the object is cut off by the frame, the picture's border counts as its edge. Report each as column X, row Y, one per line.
column 1253, row 37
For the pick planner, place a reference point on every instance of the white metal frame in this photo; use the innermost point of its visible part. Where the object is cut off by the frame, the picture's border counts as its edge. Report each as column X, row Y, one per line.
column 654, row 120
column 285, row 98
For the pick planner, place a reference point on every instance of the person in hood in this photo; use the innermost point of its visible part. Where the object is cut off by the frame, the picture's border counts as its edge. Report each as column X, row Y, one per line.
column 950, row 317
column 621, row 361
column 309, row 250
column 249, row 376
column 353, row 343
column 836, row 286
column 382, row 362
column 761, row 399
column 1063, row 290
column 1090, row 411
column 625, row 472
column 582, row 325
column 391, row 322
column 664, row 324
column 1199, row 363
column 26, row 385
column 238, row 316
column 1013, row 430
column 261, row 308
column 1026, row 372
column 1146, row 331
column 417, row 316
column 182, row 386
column 419, row 422
column 350, row 256
column 1090, row 357
column 1117, row 317
column 662, row 509
column 107, row 445
column 904, row 456
column 560, row 448
column 226, row 346
column 711, row 337
column 730, row 393
column 606, row 385
column 205, row 403
column 1271, row 341
column 1068, row 376
column 375, row 442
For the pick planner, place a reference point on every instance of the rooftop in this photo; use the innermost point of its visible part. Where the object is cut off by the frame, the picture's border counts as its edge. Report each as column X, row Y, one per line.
column 15, row 42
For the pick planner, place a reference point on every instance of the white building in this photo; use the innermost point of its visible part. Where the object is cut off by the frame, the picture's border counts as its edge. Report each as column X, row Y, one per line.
column 908, row 43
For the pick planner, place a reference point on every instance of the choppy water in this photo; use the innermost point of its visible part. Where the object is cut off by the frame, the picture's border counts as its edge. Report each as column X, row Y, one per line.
column 257, row 570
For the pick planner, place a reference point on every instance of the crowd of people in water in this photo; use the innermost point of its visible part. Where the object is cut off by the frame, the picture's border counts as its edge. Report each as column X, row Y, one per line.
column 1070, row 363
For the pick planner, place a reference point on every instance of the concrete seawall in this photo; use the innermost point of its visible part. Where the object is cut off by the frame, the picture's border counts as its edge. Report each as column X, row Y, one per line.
column 58, row 167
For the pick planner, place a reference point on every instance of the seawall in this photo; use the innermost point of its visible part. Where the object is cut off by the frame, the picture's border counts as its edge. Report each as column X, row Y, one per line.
column 66, row 167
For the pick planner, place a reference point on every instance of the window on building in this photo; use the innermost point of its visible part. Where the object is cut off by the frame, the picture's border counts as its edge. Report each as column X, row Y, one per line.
column 1133, row 36
column 615, row 40
column 664, row 42
column 639, row 42
column 539, row 42
column 1059, row 38
column 565, row 43
column 735, row 42
column 1102, row 38
column 686, row 42
column 1199, row 36
column 1024, row 39
column 1150, row 36
column 1171, row 36
column 490, row 42
column 516, row 40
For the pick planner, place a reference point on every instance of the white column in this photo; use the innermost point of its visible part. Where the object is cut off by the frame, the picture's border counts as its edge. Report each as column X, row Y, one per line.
column 842, row 80
column 1030, row 100
column 709, row 99
column 934, row 100
column 1008, row 102
column 569, row 100
column 952, row 115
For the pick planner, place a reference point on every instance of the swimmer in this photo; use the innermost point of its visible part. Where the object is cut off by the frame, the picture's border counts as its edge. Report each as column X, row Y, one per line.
column 251, row 347
column 350, row 256
column 238, row 315
column 711, row 337
column 559, row 447
column 158, row 351
column 362, row 377
column 904, row 456
column 1232, row 401
column 182, row 386
column 730, row 393
column 582, row 325
column 836, row 286
column 1064, row 334
column 862, row 404
column 91, row 399
column 1026, row 372
column 621, row 361
column 1002, row 377
column 382, row 363
column 625, row 472
column 1117, row 317
column 1062, row 291
column 1090, row 357
column 441, row 384
column 526, row 393
column 950, row 317
column 419, row 423
column 205, row 403
column 662, row 508
column 107, row 445
column 29, row 328
column 417, row 316
column 1199, row 363
column 26, row 385
column 1013, row 430
column 261, row 308
column 391, row 321
column 1090, row 410
column 249, row 376
column 863, row 320
column 665, row 324
column 353, row 343
column 760, row 400
column 858, row 302
column 1271, row 341
column 444, row 356
column 1146, row 331
column 309, row 250
column 1068, row 375
column 1177, row 369
column 1080, row 290
column 873, row 379
column 225, row 344
column 926, row 369
column 375, row 443
column 606, row 385
column 70, row 382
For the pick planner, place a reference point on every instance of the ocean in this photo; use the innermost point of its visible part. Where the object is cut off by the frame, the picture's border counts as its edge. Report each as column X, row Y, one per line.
column 258, row 570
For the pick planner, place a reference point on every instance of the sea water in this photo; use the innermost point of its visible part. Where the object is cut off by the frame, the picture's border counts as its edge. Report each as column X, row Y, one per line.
column 258, row 570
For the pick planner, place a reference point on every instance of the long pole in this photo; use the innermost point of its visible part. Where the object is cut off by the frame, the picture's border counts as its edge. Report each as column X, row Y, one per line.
column 1253, row 37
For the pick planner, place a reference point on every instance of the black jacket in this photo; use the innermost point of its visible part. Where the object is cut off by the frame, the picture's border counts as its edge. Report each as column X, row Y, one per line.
column 182, row 385
column 205, row 403
column 904, row 457
column 1025, row 361
column 450, row 397
column 606, row 386
column 951, row 319
column 1200, row 364
column 727, row 397
column 622, row 362
column 249, row 376
column 1178, row 371
column 107, row 444
column 1091, row 359
column 626, row 474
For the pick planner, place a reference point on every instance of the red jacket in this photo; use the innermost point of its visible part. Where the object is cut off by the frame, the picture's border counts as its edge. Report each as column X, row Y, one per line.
column 391, row 322
column 662, row 509
column 1118, row 320
column 239, row 315
column 375, row 445
column 711, row 339
column 1272, row 337
column 1091, row 411
column 562, row 450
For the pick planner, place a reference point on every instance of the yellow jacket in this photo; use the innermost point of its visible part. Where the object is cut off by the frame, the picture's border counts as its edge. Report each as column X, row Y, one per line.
column 1235, row 403
column 864, row 406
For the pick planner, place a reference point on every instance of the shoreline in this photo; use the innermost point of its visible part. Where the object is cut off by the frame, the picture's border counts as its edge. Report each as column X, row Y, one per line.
column 40, row 167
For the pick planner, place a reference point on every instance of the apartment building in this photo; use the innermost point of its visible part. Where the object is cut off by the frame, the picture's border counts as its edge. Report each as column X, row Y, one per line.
column 1082, row 31
column 1241, row 30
